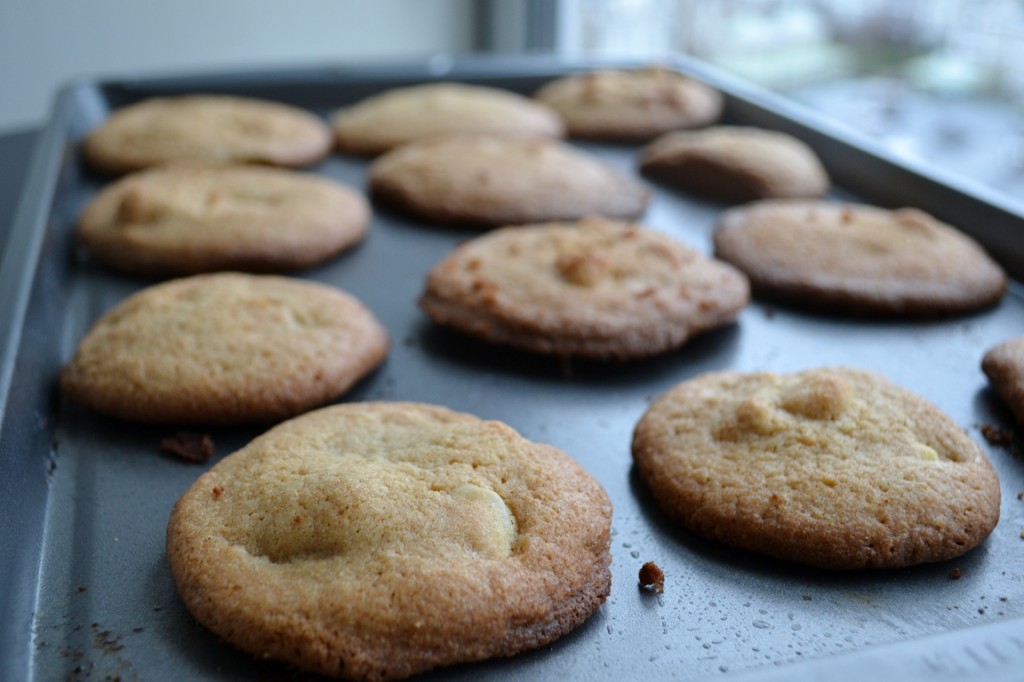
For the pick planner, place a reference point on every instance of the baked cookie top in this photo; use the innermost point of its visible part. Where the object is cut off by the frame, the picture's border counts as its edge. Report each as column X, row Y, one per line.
column 189, row 218
column 631, row 105
column 486, row 181
column 858, row 259
column 225, row 348
column 836, row 468
column 597, row 289
column 382, row 122
column 735, row 164
column 379, row 540
column 217, row 128
column 1003, row 364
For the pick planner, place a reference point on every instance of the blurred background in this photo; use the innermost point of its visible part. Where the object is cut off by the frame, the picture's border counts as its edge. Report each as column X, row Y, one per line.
column 937, row 80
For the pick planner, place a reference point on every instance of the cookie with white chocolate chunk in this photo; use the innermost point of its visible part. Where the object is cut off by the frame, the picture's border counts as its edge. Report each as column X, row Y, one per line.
column 735, row 164
column 630, row 104
column 858, row 259
column 373, row 541
column 835, row 467
column 187, row 218
column 593, row 289
column 212, row 128
column 1003, row 364
column 224, row 348
column 398, row 116
column 485, row 181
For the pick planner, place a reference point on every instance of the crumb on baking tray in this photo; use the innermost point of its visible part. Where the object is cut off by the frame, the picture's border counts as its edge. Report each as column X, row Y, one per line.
column 955, row 574
column 194, row 447
column 996, row 435
column 652, row 578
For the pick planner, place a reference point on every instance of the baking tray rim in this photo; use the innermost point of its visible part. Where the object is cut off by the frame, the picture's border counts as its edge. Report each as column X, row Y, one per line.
column 994, row 649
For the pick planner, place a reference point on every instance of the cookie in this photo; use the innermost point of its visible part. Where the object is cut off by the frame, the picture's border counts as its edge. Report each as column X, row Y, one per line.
column 373, row 541
column 593, row 289
column 835, row 468
column 486, row 181
column 214, row 128
column 630, row 105
column 1003, row 364
column 401, row 115
column 224, row 349
column 183, row 219
column 735, row 164
column 856, row 259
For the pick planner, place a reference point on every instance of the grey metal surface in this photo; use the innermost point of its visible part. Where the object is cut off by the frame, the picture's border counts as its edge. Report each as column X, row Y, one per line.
column 15, row 151
column 85, row 592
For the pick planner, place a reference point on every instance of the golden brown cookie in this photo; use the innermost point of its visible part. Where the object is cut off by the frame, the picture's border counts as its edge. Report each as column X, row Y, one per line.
column 214, row 128
column 186, row 218
column 735, row 164
column 630, row 104
column 594, row 289
column 1003, row 364
column 224, row 349
column 856, row 259
column 400, row 115
column 373, row 541
column 835, row 468
column 486, row 181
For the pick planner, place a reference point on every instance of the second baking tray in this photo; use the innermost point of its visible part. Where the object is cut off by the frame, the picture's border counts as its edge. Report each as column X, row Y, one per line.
column 84, row 500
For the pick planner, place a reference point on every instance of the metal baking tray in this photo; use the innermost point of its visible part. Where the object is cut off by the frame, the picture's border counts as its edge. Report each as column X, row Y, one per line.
column 85, row 591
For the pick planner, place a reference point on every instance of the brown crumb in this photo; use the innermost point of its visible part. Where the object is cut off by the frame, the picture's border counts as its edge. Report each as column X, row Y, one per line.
column 82, row 588
column 1020, row 495
column 652, row 577
column 217, row 492
column 955, row 574
column 807, row 597
column 194, row 447
column 996, row 435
